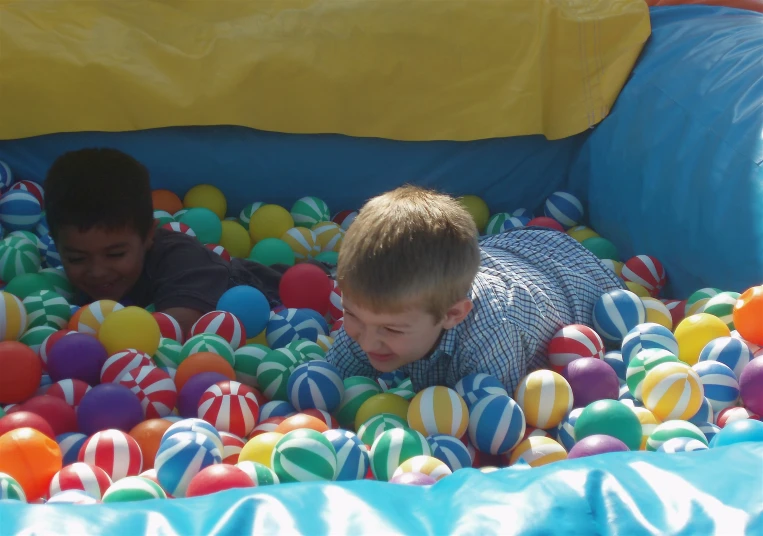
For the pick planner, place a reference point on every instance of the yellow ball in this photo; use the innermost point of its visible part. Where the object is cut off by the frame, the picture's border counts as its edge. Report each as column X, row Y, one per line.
column 672, row 391
column 581, row 232
column 259, row 339
column 13, row 317
column 697, row 307
column 637, row 289
column 657, row 313
column 381, row 403
column 477, row 208
column 206, row 196
column 269, row 221
column 694, row 332
column 302, row 241
column 537, row 451
column 426, row 465
column 545, row 398
column 328, row 235
column 648, row 423
column 260, row 449
column 91, row 317
column 131, row 327
column 235, row 239
column 438, row 410
column 615, row 266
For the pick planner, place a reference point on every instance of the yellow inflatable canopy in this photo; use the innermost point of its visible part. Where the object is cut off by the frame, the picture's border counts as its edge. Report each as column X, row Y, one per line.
column 399, row 69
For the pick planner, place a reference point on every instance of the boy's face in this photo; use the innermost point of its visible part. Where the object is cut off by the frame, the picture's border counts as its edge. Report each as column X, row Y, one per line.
column 103, row 263
column 392, row 340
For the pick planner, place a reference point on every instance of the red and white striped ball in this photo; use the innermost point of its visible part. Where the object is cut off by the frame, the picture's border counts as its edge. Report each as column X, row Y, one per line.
column 216, row 248
column 336, row 327
column 122, row 362
column 154, row 388
column 677, row 310
column 88, row 478
column 344, row 218
column 647, row 272
column 268, row 425
column 574, row 342
column 31, row 187
column 71, row 391
column 230, row 407
column 734, row 413
column 232, row 446
column 179, row 228
column 169, row 327
column 324, row 416
column 115, row 452
column 223, row 324
column 48, row 343
column 335, row 303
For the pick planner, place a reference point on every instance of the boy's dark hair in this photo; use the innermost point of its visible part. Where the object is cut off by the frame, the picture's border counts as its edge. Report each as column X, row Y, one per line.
column 98, row 188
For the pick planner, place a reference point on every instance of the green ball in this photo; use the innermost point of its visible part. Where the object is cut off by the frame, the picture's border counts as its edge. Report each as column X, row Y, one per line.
column 269, row 251
column 609, row 417
column 601, row 247
column 357, row 389
column 308, row 350
column 393, row 447
column 2, row 414
column 303, row 456
column 641, row 364
column 406, row 393
column 205, row 223
column 29, row 236
column 59, row 281
column 248, row 358
column 377, row 425
column 261, row 475
column 18, row 256
column 310, row 210
column 495, row 223
column 47, row 308
column 273, row 373
column 151, row 308
column 328, row 257
column 702, row 294
column 133, row 488
column 672, row 429
column 162, row 216
column 10, row 489
column 722, row 306
column 208, row 342
column 246, row 213
column 23, row 285
column 169, row 354
column 34, row 337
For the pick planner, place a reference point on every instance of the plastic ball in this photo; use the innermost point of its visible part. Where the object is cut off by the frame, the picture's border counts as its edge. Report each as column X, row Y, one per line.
column 301, row 421
column 574, row 342
column 249, row 305
column 352, row 455
column 438, row 410
column 154, row 388
column 306, row 286
column 672, row 429
column 474, row 386
column 246, row 360
column 543, row 221
column 204, row 223
column 704, row 414
column 20, row 372
column 245, row 216
column 109, row 406
column 413, row 479
column 131, row 327
column 232, row 447
column 722, row 306
column 719, row 383
column 208, row 342
column 672, row 391
column 273, row 374
column 710, row 430
column 230, row 407
column 10, row 489
column 393, row 447
column 357, row 389
column 91, row 317
column 596, row 444
column 276, row 408
column 18, row 256
column 640, row 365
column 616, row 360
column 60, row 415
column 565, row 432
column 545, row 398
column 682, row 444
column 378, row 424
column 537, row 451
column 13, row 317
column 76, row 356
column 46, row 308
column 451, row 451
column 162, row 216
column 496, row 424
column 747, row 314
column 202, row 362
column 70, row 445
column 645, row 271
column 120, row 363
column 23, row 285
column 591, row 379
column 382, row 403
column 426, row 465
column 304, row 456
column 609, row 417
column 80, row 476
column 169, row 328
column 315, row 384
column 648, row 336
column 733, row 414
column 193, row 389
column 269, row 221
column 223, row 324
column 695, row 332
column 16, row 420
column 133, row 488
column 581, row 232
column 182, row 456
column 477, row 208
column 219, row 250
column 648, row 424
column 235, row 239
column 616, row 313
column 564, row 208
column 259, row 449
column 739, row 432
column 148, row 435
column 19, row 210
column 166, row 200
column 218, row 478
column 271, row 251
column 208, row 197
column 308, row 211
column 657, row 313
column 751, row 385
column 730, row 351
column 197, row 426
column 502, row 222
column 601, row 247
column 58, row 280
column 31, row 458
column 290, row 325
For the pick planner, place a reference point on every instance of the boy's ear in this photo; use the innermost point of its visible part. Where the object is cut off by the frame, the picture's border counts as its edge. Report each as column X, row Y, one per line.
column 149, row 241
column 457, row 313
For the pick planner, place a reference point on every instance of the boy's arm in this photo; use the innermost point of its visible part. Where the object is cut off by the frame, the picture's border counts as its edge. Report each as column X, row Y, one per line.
column 347, row 355
column 185, row 317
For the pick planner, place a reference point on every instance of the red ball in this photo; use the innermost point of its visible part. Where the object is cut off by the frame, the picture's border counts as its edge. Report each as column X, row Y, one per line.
column 122, row 362
column 223, row 324
column 218, row 478
column 230, row 407
column 232, row 446
column 677, row 309
column 219, row 250
column 179, row 228
column 734, row 413
column 572, row 342
column 114, row 451
column 169, row 327
column 33, row 188
column 336, row 311
column 60, row 416
column 268, row 425
column 543, row 221
column 305, row 286
column 20, row 372
column 25, row 419
column 69, row 390
column 647, row 272
column 88, row 478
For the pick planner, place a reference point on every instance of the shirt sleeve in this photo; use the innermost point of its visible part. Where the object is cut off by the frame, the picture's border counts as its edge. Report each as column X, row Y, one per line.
column 347, row 355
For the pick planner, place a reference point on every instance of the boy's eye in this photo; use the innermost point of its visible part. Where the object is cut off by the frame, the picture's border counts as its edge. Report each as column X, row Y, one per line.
column 75, row 260
column 116, row 255
column 395, row 331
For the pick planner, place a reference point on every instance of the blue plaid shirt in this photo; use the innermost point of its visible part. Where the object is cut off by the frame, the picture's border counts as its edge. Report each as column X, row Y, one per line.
column 532, row 282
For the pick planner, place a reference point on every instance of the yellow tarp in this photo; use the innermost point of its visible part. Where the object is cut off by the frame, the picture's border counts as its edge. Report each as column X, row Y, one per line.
column 400, row 69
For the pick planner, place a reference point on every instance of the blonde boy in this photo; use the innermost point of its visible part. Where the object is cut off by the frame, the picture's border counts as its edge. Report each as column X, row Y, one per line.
column 423, row 294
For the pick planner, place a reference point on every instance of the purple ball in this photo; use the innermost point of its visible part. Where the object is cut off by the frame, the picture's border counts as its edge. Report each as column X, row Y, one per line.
column 78, row 357
column 596, row 444
column 109, row 405
column 751, row 385
column 591, row 379
column 188, row 398
column 413, row 479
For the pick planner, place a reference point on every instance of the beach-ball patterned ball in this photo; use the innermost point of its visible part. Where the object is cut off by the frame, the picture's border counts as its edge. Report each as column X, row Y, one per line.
column 722, row 306
column 496, row 424
column 564, row 208
column 70, row 444
column 261, row 475
column 672, row 429
column 574, row 342
column 169, row 353
column 357, row 389
column 545, row 398
column 393, row 447
column 276, row 408
column 33, row 188
column 181, row 456
column 230, row 407
column 123, row 362
column 616, row 313
column 70, row 391
column 565, row 432
column 648, row 336
column 222, row 324
column 208, row 342
column 308, row 350
column 709, row 429
column 18, row 256
column 49, row 252
column 232, row 447
column 179, row 227
column 720, row 384
column 640, row 365
column 425, row 465
column 502, row 222
column 537, row 451
column 115, row 452
column 701, row 295
column 618, row 363
column 732, row 414
column 672, row 391
column 438, row 410
column 133, row 488
column 273, row 374
column 645, row 271
column 47, row 308
column 474, row 386
column 246, row 213
column 169, row 327
column 6, row 177
column 682, row 444
column 19, row 210
column 88, row 319
column 315, row 384
column 198, row 426
column 290, row 325
column 304, row 455
column 328, row 235
column 88, row 478
column 307, row 211
column 451, row 451
column 657, row 313
column 154, row 388
column 705, row 413
column 371, row 429
column 731, row 351
column 10, row 489
column 648, row 424
column 303, row 243
column 247, row 359
column 13, row 317
column 352, row 457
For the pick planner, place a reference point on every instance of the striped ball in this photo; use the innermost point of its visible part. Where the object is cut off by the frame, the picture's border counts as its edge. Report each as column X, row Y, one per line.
column 303, row 243
column 70, row 391
column 31, row 187
column 230, row 407
column 169, row 353
column 357, row 389
column 502, row 222
column 290, row 325
column 371, row 429
column 208, row 342
column 47, row 308
column 672, row 391
column 648, row 424
column 154, row 388
column 222, row 324
column 677, row 309
column 133, row 488
column 352, row 458
column 276, row 408
column 438, row 410
column 122, row 362
column 19, row 210
column 315, row 384
column 328, row 236
column 497, row 424
column 709, row 429
column 565, row 432
column 657, row 313
column 220, row 250
column 179, row 227
column 90, row 317
column 17, row 258
column 162, row 216
column 722, row 306
column 564, row 208
column 701, row 294
column 72, row 497
column 114, row 451
column 545, row 398
column 247, row 359
column 403, row 392
column 10, row 489
column 537, row 451
column 35, row 337
column 273, row 374
column 197, row 426
column 324, row 416
column 734, row 413
column 640, row 365
column 6, row 176
column 307, row 211
column 425, row 465
column 648, row 336
column 696, row 307
column 616, row 360
column 70, row 445
column 719, row 383
column 645, row 271
column 451, row 451
column 261, row 475
column 246, row 213
column 682, row 444
column 393, row 447
column 232, row 446
column 181, row 456
column 49, row 254
column 169, row 327
column 474, row 386
column 57, row 278
column 616, row 313
column 672, row 429
column 730, row 351
column 309, row 350
column 705, row 413
column 336, row 309
column 345, row 218
column 303, row 456
column 13, row 317
column 574, row 342
column 88, row 478
column 266, row 425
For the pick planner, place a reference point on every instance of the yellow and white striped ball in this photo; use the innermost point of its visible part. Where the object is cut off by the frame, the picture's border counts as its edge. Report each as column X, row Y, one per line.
column 581, row 232
column 657, row 313
column 13, row 317
column 426, row 465
column 325, row 342
column 615, row 266
column 328, row 235
column 697, row 307
column 545, row 398
column 672, row 391
column 537, row 451
column 438, row 410
column 638, row 290
column 92, row 316
column 303, row 242
column 648, row 423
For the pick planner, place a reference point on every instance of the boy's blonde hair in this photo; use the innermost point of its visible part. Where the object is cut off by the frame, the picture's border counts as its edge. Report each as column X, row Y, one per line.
column 409, row 247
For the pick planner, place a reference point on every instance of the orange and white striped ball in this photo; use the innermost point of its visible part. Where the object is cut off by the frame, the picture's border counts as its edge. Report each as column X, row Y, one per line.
column 328, row 235
column 223, row 324
column 545, row 398
column 230, row 407
column 574, row 342
column 88, row 319
column 303, row 243
column 232, row 445
column 438, row 410
column 672, row 391
column 648, row 423
column 657, row 313
column 13, row 317
column 80, row 476
column 426, row 465
column 537, row 451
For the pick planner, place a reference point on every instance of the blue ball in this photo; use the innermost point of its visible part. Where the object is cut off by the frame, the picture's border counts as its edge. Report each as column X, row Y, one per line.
column 682, row 444
column 648, row 336
column 523, row 213
column 710, row 430
column 352, row 458
column 496, row 424
column 451, row 451
column 564, row 208
column 70, row 445
column 6, row 177
column 182, row 456
column 315, row 385
column 73, row 308
column 42, row 228
column 49, row 252
column 565, row 432
column 704, row 414
column 474, row 386
column 617, row 361
column 727, row 350
column 276, row 408
column 616, row 313
column 197, row 426
column 292, row 324
column 392, row 379
column 319, row 319
column 740, row 431
column 19, row 210
column 249, row 305
column 720, row 384
column 626, row 396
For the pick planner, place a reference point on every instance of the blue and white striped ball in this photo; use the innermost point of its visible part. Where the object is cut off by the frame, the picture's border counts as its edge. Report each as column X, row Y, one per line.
column 477, row 385
column 681, row 444
column 496, row 424
column 70, row 445
column 392, row 379
column 182, row 456
column 564, row 208
column 50, row 253
column 42, row 227
column 523, row 213
column 710, row 430
column 565, row 432
column 172, row 418
column 73, row 308
column 720, row 384
column 451, row 451
column 276, row 408
column 315, row 384
column 6, row 176
column 627, row 397
column 648, row 336
column 704, row 414
column 19, row 210
column 290, row 325
column 616, row 313
column 352, row 459
column 324, row 326
column 616, row 360
column 198, row 426
column 730, row 351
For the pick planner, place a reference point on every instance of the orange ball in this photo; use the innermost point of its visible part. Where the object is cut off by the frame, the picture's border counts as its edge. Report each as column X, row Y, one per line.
column 149, row 434
column 202, row 362
column 300, row 421
column 748, row 315
column 32, row 458
column 166, row 200
column 20, row 372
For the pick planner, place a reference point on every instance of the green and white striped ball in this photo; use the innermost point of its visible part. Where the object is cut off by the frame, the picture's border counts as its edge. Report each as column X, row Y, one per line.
column 393, row 447
column 58, row 280
column 495, row 223
column 273, row 374
column 309, row 210
column 162, row 217
column 261, row 475
column 208, row 342
column 722, row 306
column 702, row 294
column 20, row 259
column 246, row 213
column 405, row 392
column 377, row 425
column 308, row 350
column 28, row 236
column 248, row 358
column 47, row 308
column 10, row 489
column 133, row 488
column 169, row 353
column 303, row 456
column 641, row 364
column 357, row 389
column 672, row 429
column 36, row 336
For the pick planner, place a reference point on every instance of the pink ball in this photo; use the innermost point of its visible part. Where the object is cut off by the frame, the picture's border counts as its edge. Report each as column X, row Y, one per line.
column 218, row 478
column 596, row 444
column 591, row 379
column 751, row 385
